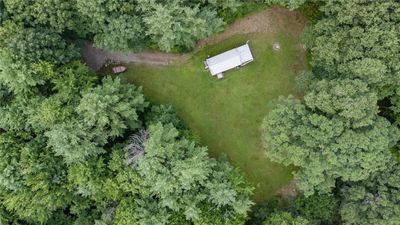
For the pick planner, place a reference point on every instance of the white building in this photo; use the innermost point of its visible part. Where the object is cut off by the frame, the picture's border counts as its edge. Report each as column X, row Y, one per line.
column 228, row 60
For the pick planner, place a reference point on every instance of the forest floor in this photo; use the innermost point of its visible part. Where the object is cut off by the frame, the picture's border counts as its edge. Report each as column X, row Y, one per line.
column 226, row 114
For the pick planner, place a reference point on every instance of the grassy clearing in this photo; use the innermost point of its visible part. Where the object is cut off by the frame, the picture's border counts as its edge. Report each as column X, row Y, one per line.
column 226, row 114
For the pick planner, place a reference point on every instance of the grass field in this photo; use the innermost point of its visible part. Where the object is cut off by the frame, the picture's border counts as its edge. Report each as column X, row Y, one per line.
column 226, row 114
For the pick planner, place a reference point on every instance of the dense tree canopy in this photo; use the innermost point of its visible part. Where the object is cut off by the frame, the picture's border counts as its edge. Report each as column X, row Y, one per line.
column 373, row 201
column 33, row 179
column 177, row 178
column 26, row 52
column 62, row 155
column 112, row 107
column 67, row 156
column 285, row 218
column 337, row 134
column 326, row 146
column 318, row 209
column 173, row 24
column 57, row 14
column 358, row 39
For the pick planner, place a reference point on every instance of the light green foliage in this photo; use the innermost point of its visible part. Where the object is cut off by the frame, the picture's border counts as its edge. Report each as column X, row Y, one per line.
column 173, row 24
column 97, row 12
column 125, row 180
column 58, row 14
column 373, row 201
column 44, row 113
column 318, row 209
column 290, row 4
column 350, row 100
column 232, row 5
column 324, row 146
column 359, row 39
column 164, row 114
column 87, row 178
column 68, row 81
column 123, row 32
column 127, row 25
column 61, row 160
column 72, row 79
column 10, row 177
column 26, row 52
column 112, row 107
column 36, row 185
column 116, row 25
column 35, row 44
column 13, row 117
column 75, row 142
column 285, row 218
column 18, row 76
column 185, row 181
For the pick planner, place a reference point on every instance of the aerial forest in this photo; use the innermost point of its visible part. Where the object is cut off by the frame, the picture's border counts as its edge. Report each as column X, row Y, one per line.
column 82, row 148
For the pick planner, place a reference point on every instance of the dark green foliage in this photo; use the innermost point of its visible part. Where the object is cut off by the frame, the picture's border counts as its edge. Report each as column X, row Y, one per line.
column 354, row 49
column 57, row 14
column 128, row 25
column 351, row 101
column 183, row 180
column 262, row 211
column 112, row 107
column 33, row 180
column 290, row 4
column 164, row 114
column 71, row 79
column 283, row 218
column 172, row 24
column 373, row 201
column 26, row 55
column 75, row 142
column 35, row 44
column 3, row 12
column 121, row 33
column 358, row 39
column 116, row 25
column 323, row 136
column 61, row 163
column 318, row 209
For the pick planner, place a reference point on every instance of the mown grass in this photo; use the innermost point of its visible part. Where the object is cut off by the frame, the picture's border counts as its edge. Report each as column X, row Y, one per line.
column 226, row 114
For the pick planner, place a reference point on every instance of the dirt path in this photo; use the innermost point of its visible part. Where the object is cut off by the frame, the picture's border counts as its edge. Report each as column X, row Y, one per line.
column 267, row 21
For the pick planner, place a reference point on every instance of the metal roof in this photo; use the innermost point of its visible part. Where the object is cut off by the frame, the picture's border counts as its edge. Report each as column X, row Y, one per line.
column 229, row 59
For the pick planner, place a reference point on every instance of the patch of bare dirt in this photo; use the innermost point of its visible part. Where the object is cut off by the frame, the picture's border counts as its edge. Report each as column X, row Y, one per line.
column 288, row 191
column 268, row 21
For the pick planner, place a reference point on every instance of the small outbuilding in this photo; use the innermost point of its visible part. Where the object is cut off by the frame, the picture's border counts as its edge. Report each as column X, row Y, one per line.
column 233, row 58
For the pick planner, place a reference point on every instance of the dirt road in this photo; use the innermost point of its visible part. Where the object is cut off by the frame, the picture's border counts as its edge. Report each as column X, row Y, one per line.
column 270, row 20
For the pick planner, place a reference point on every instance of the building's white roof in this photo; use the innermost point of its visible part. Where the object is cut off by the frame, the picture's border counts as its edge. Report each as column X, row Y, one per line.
column 229, row 59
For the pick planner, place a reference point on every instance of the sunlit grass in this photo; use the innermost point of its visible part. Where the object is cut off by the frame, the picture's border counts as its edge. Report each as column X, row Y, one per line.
column 226, row 114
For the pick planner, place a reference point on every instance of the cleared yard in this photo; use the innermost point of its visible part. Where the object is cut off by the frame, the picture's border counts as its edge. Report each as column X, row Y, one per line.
column 226, row 114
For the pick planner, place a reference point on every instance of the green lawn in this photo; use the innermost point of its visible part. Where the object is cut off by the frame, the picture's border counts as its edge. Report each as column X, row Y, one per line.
column 226, row 114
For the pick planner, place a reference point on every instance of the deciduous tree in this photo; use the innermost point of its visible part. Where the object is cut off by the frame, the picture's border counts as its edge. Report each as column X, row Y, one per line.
column 57, row 14
column 285, row 218
column 373, row 201
column 321, row 137
column 358, row 39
